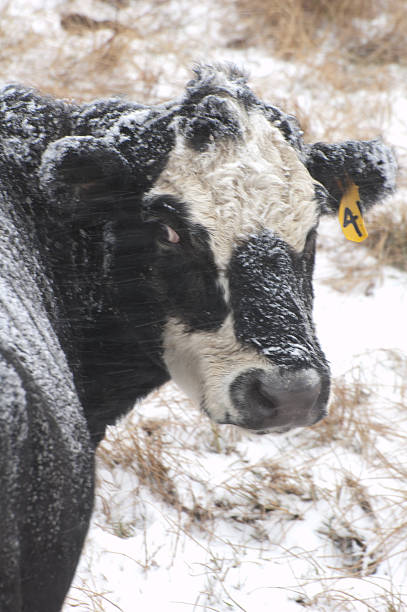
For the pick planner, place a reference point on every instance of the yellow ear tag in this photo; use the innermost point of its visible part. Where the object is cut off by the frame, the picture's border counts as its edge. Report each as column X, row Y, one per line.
column 350, row 215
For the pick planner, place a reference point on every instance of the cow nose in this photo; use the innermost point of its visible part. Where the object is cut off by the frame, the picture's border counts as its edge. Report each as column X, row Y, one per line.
column 273, row 400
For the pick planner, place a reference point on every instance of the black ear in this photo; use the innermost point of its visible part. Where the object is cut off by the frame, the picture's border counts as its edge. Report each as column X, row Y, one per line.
column 371, row 165
column 83, row 169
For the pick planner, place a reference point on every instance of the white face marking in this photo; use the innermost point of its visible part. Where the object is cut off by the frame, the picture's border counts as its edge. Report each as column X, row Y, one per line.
column 236, row 188
column 204, row 365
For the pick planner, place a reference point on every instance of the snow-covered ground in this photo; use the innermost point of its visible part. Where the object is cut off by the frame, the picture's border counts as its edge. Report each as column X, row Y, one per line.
column 191, row 516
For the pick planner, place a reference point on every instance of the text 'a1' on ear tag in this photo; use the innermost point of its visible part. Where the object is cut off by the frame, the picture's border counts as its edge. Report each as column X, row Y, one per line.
column 350, row 215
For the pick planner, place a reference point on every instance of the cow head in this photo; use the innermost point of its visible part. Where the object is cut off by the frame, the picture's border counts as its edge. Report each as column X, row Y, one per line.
column 230, row 198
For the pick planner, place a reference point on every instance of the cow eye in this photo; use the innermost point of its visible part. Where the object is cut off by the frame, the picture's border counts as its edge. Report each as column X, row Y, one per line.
column 168, row 234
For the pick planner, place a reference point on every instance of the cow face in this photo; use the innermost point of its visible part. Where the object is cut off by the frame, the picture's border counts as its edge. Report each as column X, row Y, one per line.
column 237, row 213
column 232, row 208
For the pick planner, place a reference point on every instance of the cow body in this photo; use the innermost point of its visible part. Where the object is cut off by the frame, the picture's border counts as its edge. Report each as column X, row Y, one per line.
column 140, row 244
column 46, row 457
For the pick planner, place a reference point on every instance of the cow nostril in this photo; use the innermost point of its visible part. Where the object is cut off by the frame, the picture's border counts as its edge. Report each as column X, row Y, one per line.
column 268, row 399
column 262, row 394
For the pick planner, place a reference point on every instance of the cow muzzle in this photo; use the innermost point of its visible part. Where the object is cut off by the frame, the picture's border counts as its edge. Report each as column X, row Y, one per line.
column 278, row 400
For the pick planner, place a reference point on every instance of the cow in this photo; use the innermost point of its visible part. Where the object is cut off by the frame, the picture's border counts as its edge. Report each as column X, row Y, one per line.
column 142, row 243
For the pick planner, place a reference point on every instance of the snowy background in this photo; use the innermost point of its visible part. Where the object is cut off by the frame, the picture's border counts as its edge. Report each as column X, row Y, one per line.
column 190, row 516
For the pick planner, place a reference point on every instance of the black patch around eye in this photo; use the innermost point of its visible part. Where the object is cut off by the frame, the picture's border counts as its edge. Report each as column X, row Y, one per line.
column 166, row 209
column 186, row 278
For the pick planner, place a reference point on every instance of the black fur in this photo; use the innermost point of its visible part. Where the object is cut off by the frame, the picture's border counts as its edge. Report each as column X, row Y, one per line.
column 46, row 466
column 184, row 276
column 207, row 115
column 271, row 296
column 87, row 284
column 370, row 165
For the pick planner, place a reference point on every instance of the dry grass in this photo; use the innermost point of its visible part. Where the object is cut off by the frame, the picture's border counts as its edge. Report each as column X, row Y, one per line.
column 150, row 449
column 85, row 599
column 366, row 31
column 353, row 420
column 338, row 599
column 144, row 451
column 96, row 50
column 388, row 235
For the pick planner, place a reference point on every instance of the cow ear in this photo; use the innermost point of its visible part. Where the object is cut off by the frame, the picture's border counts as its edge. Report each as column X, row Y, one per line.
column 370, row 165
column 84, row 169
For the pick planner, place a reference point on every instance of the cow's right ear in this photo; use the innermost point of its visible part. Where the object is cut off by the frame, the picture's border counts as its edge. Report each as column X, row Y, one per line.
column 370, row 165
column 84, row 169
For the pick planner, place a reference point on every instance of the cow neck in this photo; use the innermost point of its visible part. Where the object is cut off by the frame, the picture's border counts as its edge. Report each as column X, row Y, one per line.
column 109, row 324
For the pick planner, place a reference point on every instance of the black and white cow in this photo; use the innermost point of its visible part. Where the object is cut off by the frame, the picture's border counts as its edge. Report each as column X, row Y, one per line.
column 139, row 243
